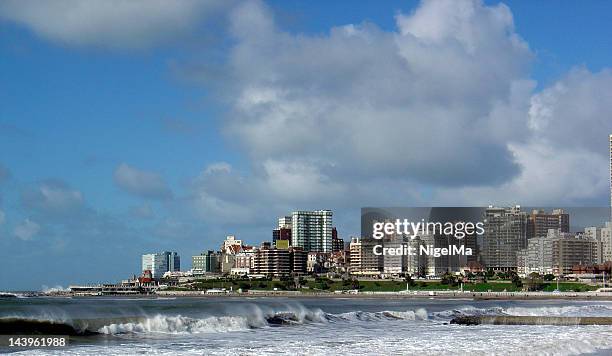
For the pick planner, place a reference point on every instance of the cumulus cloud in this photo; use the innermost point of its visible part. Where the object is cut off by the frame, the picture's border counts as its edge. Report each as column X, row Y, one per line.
column 53, row 197
column 110, row 23
column 565, row 160
column 574, row 112
column 141, row 183
column 26, row 230
column 421, row 102
column 440, row 110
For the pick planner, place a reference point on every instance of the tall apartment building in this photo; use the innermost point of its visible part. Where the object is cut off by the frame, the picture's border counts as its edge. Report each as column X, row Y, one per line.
column 611, row 178
column 539, row 222
column 505, row 234
column 422, row 265
column 603, row 236
column 160, row 263
column 594, row 233
column 393, row 264
column 208, row 261
column 363, row 261
column 355, row 265
column 606, row 242
column 558, row 252
column 312, row 230
column 284, row 222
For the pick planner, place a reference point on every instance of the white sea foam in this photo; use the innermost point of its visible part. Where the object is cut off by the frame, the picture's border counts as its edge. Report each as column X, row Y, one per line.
column 179, row 325
column 573, row 310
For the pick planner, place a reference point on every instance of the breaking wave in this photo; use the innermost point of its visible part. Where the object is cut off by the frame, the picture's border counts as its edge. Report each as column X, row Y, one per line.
column 215, row 324
column 582, row 310
column 599, row 310
column 180, row 325
column 256, row 318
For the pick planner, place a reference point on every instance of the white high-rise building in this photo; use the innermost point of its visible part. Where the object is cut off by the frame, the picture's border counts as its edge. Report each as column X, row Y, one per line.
column 312, row 230
column 606, row 242
column 284, row 222
column 160, row 263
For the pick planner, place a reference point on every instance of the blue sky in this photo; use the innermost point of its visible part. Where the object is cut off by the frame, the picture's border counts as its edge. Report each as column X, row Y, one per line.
column 131, row 129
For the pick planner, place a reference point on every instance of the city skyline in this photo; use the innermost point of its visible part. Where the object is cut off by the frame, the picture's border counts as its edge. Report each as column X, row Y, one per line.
column 520, row 231
column 178, row 130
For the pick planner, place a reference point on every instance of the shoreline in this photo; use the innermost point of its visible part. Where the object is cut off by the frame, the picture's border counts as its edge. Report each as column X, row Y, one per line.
column 475, row 296
column 406, row 295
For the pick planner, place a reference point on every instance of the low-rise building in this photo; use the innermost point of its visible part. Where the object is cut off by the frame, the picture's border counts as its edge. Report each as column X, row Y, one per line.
column 271, row 261
column 317, row 262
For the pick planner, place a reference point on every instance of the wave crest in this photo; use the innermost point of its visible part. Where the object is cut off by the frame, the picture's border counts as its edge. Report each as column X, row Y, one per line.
column 180, row 325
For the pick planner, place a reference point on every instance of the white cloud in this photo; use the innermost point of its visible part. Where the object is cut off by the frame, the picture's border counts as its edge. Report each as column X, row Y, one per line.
column 575, row 111
column 110, row 23
column 141, row 183
column 26, row 230
column 422, row 102
column 221, row 195
column 299, row 182
column 53, row 197
column 440, row 111
column 565, row 160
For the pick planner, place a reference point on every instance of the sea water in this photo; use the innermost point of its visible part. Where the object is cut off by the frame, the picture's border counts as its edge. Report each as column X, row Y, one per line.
column 309, row 326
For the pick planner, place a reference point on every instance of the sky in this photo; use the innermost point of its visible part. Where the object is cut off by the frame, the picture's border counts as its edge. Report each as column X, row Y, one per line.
column 142, row 126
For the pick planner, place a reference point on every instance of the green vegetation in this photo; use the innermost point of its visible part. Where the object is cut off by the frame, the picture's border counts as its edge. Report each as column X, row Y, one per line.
column 448, row 282
column 568, row 287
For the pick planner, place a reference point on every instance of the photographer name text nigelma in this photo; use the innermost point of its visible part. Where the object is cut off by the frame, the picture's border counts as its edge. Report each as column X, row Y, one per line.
column 423, row 250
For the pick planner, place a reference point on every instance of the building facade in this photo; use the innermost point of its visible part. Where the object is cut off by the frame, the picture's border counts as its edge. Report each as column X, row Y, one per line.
column 160, row 263
column 355, row 265
column 271, row 262
column 231, row 245
column 299, row 259
column 281, row 234
column 363, row 261
column 208, row 261
column 557, row 253
column 505, row 234
column 284, row 222
column 312, row 230
column 539, row 222
column 337, row 242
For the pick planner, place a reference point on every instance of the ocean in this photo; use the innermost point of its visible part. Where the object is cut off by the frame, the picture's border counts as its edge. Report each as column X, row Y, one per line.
column 304, row 326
